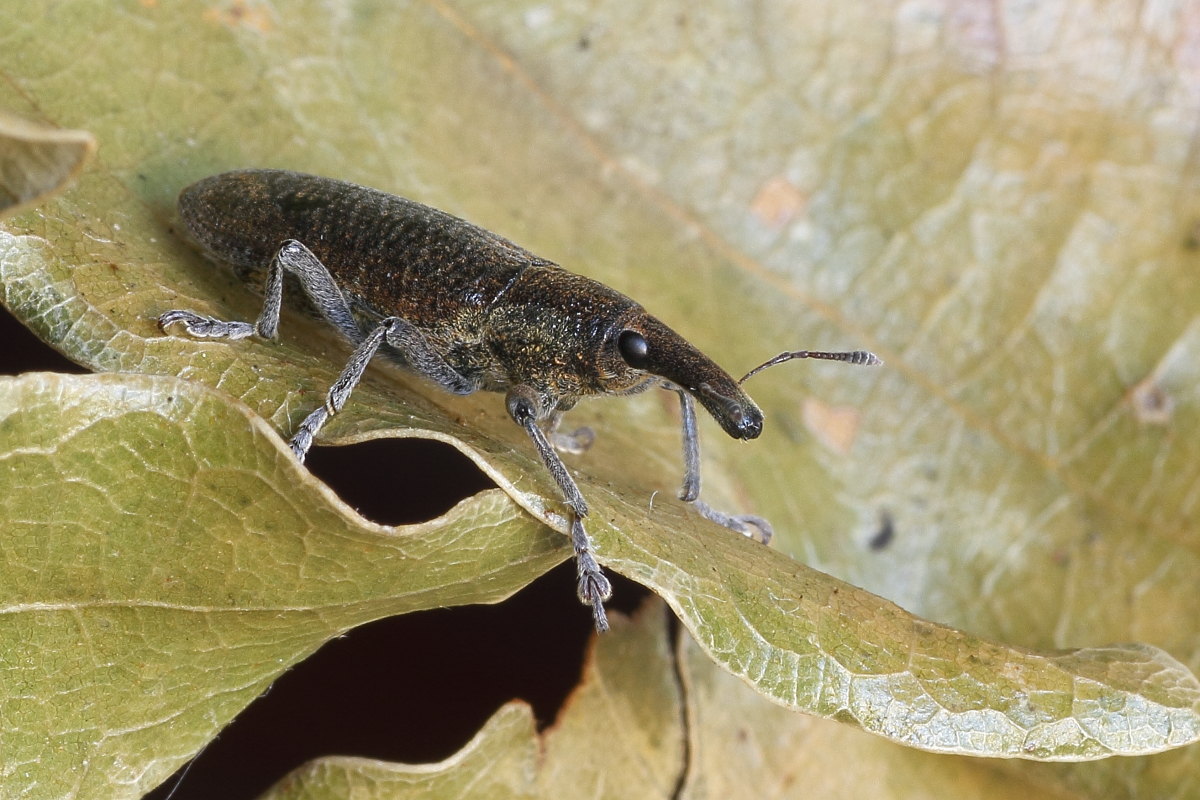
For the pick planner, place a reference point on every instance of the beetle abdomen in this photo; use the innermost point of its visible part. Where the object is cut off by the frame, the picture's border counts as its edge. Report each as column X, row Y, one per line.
column 388, row 254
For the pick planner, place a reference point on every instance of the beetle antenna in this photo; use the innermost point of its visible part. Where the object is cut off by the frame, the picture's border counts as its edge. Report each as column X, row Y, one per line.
column 860, row 357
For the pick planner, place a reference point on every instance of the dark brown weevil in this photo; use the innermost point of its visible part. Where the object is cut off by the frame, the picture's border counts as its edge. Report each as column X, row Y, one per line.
column 466, row 309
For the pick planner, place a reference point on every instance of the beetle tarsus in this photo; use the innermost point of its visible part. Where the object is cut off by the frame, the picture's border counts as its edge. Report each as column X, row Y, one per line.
column 742, row 523
column 597, row 603
column 592, row 586
column 302, row 440
column 203, row 327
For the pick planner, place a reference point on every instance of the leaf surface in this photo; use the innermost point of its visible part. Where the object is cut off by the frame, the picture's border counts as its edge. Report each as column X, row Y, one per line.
column 140, row 616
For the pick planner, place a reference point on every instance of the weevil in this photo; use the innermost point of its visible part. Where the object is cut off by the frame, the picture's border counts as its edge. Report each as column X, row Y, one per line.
column 469, row 311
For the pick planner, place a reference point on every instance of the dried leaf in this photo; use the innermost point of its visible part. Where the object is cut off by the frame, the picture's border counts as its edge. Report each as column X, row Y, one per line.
column 37, row 162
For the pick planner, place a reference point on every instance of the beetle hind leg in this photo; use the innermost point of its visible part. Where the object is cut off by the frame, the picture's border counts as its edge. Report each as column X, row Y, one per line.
column 401, row 335
column 314, row 277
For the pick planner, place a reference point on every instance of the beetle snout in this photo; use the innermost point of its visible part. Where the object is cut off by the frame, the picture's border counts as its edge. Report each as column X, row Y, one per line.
column 647, row 345
column 749, row 423
column 745, row 422
column 738, row 415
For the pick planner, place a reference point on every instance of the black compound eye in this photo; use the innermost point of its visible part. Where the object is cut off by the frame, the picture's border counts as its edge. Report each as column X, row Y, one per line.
column 633, row 348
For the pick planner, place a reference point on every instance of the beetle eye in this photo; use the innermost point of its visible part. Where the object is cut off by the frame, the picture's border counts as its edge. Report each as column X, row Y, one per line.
column 633, row 348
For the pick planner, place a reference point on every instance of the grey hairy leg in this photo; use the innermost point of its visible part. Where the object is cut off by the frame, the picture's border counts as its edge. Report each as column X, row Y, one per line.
column 318, row 284
column 592, row 587
column 316, row 281
column 412, row 346
column 690, row 491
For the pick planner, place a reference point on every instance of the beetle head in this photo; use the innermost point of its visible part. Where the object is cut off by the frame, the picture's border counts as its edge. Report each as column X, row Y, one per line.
column 646, row 345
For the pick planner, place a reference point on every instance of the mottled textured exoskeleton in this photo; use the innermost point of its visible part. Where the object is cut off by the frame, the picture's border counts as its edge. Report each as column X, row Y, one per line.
column 464, row 308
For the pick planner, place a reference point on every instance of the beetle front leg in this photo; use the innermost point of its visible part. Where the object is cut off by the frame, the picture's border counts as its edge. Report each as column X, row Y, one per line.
column 592, row 587
column 690, row 491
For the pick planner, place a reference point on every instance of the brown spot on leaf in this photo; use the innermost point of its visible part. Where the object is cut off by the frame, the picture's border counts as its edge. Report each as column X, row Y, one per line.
column 833, row 426
column 1151, row 403
column 240, row 14
column 778, row 202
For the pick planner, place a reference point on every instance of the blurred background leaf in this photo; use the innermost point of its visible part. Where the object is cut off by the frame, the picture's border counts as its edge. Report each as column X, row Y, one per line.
column 620, row 736
column 37, row 161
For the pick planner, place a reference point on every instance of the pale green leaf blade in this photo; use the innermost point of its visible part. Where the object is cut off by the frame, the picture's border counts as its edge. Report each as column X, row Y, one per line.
column 139, row 616
column 744, row 746
column 828, row 648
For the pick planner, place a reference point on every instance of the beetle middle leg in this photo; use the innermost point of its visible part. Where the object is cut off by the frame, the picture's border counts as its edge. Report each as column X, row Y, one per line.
column 690, row 491
column 576, row 442
column 413, row 348
column 592, row 586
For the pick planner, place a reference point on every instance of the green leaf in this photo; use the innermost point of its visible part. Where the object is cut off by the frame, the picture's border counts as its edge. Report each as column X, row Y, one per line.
column 831, row 649
column 743, row 747
column 140, row 616
column 1017, row 244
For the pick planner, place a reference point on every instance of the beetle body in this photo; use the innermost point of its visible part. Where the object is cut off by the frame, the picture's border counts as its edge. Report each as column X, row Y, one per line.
column 466, row 309
column 499, row 315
